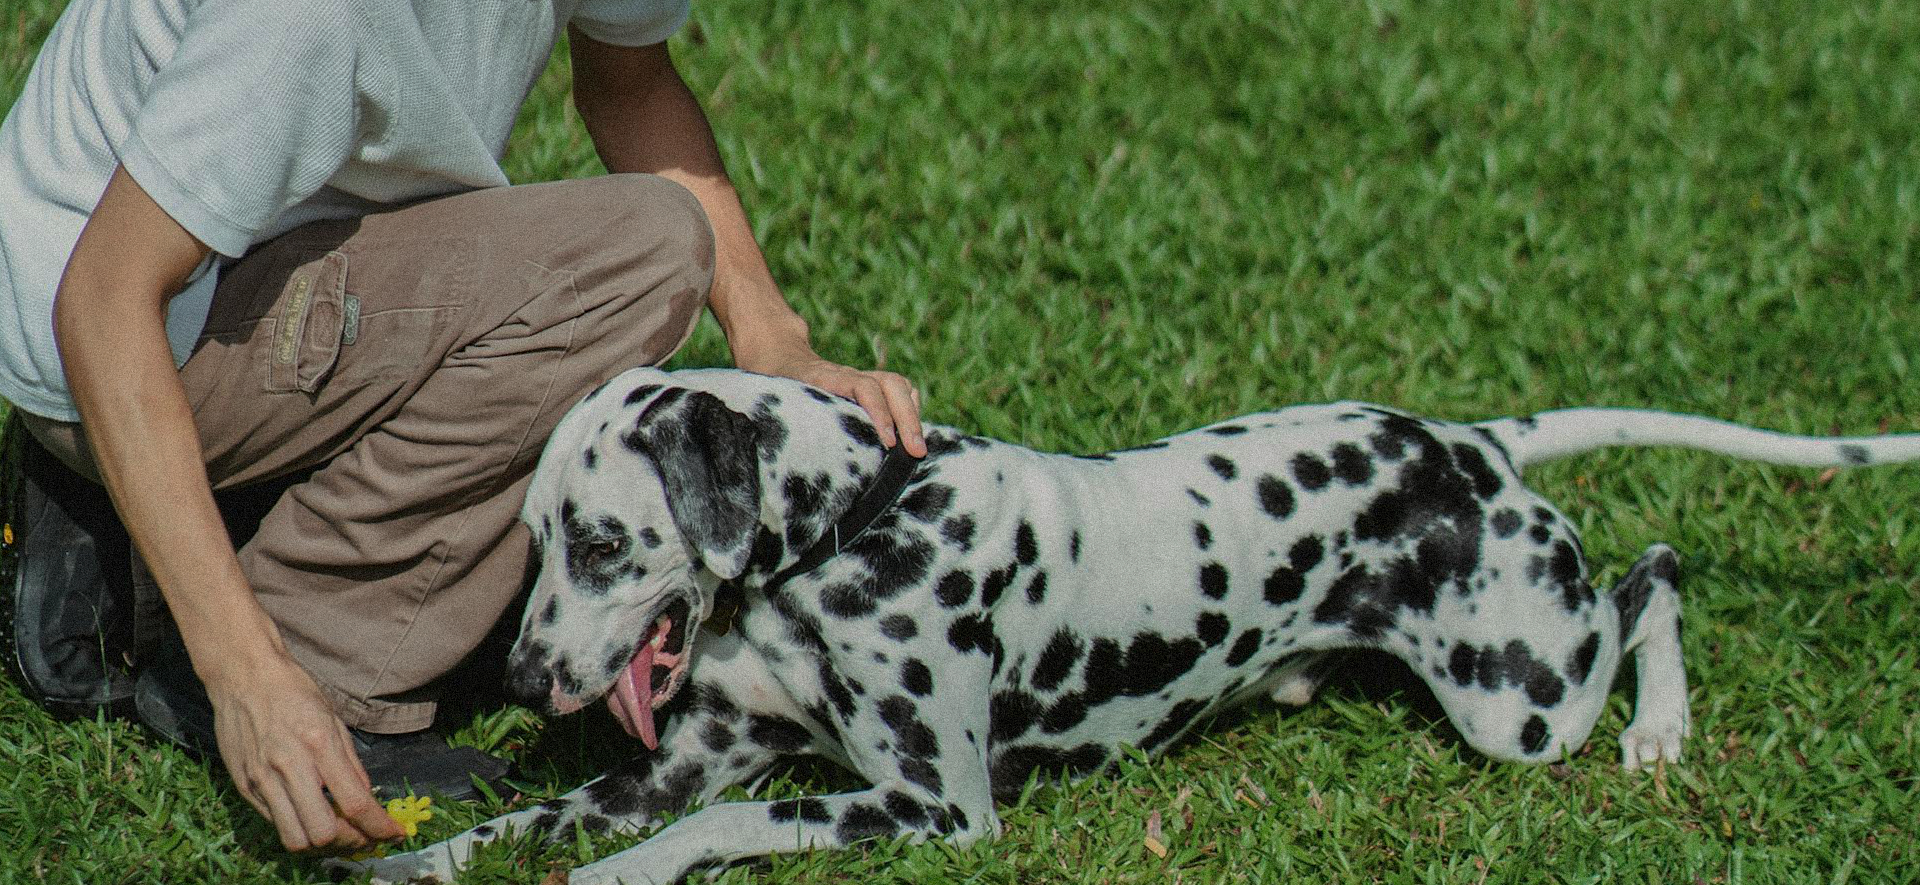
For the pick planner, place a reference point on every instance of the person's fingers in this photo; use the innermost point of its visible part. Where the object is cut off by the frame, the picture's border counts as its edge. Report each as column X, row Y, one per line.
column 904, row 409
column 873, row 398
column 347, row 780
column 310, row 805
column 279, row 810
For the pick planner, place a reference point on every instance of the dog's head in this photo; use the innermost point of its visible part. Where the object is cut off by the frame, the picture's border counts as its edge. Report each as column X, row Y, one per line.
column 646, row 499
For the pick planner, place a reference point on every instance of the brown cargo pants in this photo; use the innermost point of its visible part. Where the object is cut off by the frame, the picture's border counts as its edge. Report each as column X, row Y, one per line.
column 420, row 358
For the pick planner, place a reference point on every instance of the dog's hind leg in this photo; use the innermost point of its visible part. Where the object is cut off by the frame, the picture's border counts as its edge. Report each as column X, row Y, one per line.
column 1649, row 608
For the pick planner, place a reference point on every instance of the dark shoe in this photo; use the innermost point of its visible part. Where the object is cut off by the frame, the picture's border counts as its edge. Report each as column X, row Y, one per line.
column 170, row 700
column 69, row 627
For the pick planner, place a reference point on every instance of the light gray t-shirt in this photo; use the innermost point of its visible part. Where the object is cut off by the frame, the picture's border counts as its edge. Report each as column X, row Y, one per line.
column 244, row 119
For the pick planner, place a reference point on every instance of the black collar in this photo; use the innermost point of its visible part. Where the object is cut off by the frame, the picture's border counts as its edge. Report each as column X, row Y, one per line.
column 887, row 484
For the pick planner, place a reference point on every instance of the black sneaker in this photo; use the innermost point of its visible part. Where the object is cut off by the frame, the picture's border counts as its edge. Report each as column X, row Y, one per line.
column 69, row 626
column 170, row 700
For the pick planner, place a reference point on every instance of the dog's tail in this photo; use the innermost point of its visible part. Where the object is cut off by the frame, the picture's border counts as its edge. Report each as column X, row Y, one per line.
column 1558, row 434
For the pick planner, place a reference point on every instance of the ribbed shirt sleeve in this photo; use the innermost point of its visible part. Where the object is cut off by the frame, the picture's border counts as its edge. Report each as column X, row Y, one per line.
column 253, row 114
column 631, row 22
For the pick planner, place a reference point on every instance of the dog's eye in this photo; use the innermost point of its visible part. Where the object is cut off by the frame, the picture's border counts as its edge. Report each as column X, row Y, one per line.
column 598, row 552
column 593, row 554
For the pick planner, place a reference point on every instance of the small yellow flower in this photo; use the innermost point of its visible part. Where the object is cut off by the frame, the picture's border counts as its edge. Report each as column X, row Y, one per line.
column 410, row 811
column 407, row 811
column 6, row 535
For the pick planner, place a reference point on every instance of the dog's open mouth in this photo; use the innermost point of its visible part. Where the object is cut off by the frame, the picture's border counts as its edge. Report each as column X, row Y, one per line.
column 655, row 673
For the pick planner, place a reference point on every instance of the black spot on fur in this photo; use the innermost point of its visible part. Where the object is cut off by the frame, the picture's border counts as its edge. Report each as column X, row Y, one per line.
column 905, row 810
column 859, row 430
column 861, row 821
column 591, row 459
column 971, row 633
column 1276, row 499
column 551, row 611
column 895, row 560
column 717, row 736
column 1025, row 549
column 1351, row 465
column 1306, row 553
column 995, row 584
column 1057, row 660
column 1013, row 766
column 777, row 733
column 1149, row 664
column 1202, row 536
column 1580, row 663
column 1037, row 588
column 913, row 736
column 1010, row 714
column 927, row 502
column 1244, row 647
column 1505, row 523
column 1284, row 585
column 1211, row 627
column 838, row 692
column 1073, row 546
column 1069, row 711
column 811, row 810
column 1200, row 499
column 1227, row 430
column 820, row 396
column 1213, row 580
column 954, row 589
column 1512, row 666
column 1311, row 472
column 1540, row 534
column 898, row 628
column 958, row 531
column 916, row 678
column 1563, row 567
column 1533, row 735
column 1485, row 482
column 638, row 394
column 1175, row 722
column 772, row 431
column 1223, row 467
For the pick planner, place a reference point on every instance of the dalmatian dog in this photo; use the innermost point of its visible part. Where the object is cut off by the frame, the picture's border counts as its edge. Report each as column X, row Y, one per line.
column 743, row 571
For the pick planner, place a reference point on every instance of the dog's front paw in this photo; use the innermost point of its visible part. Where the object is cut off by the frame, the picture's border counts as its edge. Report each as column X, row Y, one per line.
column 1642, row 746
column 424, row 867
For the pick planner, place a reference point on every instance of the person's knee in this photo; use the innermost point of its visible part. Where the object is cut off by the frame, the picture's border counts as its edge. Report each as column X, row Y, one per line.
column 663, row 217
column 642, row 296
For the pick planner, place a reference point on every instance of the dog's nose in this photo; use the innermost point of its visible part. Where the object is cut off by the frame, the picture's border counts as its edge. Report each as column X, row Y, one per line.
column 528, row 680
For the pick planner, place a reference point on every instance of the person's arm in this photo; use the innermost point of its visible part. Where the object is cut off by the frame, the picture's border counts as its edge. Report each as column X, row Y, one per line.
column 643, row 118
column 278, row 736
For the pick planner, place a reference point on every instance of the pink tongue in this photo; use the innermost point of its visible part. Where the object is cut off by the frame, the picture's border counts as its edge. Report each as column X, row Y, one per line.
column 632, row 697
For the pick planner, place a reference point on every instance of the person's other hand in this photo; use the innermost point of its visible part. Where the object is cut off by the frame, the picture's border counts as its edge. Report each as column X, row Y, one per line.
column 889, row 398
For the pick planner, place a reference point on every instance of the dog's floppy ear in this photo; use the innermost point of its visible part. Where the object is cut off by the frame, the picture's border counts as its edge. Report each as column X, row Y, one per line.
column 708, row 459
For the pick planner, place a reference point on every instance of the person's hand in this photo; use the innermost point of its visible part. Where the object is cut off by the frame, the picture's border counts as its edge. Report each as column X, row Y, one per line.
column 889, row 398
column 293, row 760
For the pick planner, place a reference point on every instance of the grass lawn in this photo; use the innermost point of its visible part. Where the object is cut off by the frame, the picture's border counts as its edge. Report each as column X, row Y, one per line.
column 1082, row 226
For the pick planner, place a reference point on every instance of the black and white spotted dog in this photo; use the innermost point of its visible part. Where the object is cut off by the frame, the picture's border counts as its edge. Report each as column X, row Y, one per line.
column 950, row 627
